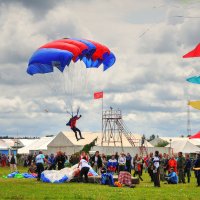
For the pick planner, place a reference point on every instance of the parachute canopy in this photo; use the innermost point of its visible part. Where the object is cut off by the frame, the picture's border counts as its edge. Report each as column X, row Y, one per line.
column 194, row 53
column 60, row 53
column 194, row 79
column 194, row 104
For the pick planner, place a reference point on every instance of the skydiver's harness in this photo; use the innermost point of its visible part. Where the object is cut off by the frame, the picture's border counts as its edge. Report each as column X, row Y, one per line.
column 70, row 120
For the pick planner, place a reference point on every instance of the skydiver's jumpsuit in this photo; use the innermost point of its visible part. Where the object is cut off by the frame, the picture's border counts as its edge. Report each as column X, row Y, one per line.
column 74, row 128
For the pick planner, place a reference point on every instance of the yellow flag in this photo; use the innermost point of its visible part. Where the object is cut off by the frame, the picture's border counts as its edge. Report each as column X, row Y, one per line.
column 194, row 104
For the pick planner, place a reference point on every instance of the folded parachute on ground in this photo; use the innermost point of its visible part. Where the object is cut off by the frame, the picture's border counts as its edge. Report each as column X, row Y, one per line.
column 19, row 175
column 63, row 175
column 59, row 53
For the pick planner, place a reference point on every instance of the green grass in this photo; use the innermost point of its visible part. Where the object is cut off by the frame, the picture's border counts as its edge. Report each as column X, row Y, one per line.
column 23, row 189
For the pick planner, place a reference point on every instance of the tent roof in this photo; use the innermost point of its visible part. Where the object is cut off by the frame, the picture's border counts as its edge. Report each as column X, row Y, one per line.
column 197, row 135
column 9, row 142
column 3, row 145
column 174, row 139
column 90, row 136
column 38, row 144
column 26, row 142
column 184, row 146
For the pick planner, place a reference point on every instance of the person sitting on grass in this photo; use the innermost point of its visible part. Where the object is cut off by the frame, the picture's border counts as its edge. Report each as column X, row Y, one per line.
column 172, row 178
column 84, row 167
column 32, row 168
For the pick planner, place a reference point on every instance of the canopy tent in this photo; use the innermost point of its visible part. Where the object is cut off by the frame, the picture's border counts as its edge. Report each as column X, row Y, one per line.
column 195, row 136
column 184, row 146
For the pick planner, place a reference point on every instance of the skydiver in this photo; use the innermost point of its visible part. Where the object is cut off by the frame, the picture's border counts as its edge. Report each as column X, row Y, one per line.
column 72, row 124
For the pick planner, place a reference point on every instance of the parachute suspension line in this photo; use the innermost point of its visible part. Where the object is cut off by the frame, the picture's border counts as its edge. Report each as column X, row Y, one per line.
column 67, row 100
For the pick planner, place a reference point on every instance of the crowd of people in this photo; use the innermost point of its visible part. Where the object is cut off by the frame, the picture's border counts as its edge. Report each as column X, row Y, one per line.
column 171, row 169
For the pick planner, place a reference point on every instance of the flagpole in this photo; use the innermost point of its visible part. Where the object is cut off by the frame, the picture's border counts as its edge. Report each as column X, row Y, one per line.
column 102, row 117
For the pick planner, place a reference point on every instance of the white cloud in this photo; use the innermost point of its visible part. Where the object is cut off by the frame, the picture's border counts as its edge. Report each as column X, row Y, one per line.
column 147, row 82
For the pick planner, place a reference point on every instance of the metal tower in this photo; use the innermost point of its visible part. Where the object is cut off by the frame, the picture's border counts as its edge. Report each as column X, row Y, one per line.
column 114, row 128
column 111, row 133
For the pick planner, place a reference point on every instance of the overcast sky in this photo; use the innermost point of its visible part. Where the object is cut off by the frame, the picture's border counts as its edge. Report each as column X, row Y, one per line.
column 147, row 81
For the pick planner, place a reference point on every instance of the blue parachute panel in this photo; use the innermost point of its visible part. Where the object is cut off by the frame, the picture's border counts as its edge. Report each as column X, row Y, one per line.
column 89, row 63
column 43, row 60
column 109, row 60
column 194, row 79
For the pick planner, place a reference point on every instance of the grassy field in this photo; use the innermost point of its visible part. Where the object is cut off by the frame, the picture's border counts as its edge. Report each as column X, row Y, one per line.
column 31, row 189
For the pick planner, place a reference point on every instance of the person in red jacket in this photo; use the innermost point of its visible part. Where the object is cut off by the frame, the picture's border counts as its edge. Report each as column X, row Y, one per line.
column 172, row 164
column 72, row 122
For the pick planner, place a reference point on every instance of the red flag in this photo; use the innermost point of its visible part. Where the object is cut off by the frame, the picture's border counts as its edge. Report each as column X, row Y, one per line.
column 98, row 95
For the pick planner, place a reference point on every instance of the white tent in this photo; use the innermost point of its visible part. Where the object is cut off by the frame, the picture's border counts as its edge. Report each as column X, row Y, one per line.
column 36, row 145
column 3, row 145
column 183, row 146
column 66, row 142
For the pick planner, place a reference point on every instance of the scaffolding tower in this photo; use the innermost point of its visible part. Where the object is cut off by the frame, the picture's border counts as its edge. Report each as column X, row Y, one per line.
column 113, row 127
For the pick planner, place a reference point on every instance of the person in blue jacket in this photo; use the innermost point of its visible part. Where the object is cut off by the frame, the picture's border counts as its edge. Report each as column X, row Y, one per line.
column 172, row 177
column 52, row 162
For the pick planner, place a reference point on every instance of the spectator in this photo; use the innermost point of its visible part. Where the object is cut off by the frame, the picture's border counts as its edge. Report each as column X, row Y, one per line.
column 181, row 168
column 13, row 163
column 172, row 164
column 197, row 169
column 146, row 162
column 172, row 178
column 166, row 160
column 84, row 166
column 104, row 160
column 3, row 160
column 138, row 168
column 156, row 171
column 32, row 168
column 60, row 160
column 122, row 162
column 40, row 159
column 150, row 166
column 83, row 154
column 128, row 162
column 52, row 162
column 188, row 166
column 96, row 162
column 162, row 164
column 112, row 164
column 117, row 157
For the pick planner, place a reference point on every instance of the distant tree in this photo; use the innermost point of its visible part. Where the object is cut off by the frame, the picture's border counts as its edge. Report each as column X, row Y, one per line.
column 162, row 144
column 189, row 135
column 88, row 147
column 49, row 135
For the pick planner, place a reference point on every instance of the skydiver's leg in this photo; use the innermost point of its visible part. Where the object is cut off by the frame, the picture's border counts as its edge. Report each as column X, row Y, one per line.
column 79, row 133
column 75, row 131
